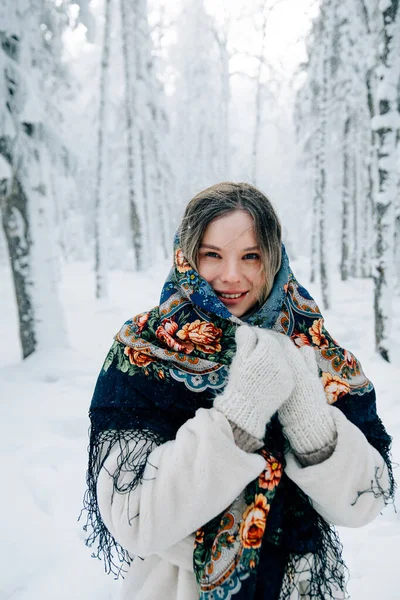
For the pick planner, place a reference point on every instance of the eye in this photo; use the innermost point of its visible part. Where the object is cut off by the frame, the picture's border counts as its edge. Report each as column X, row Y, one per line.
column 251, row 256
column 212, row 254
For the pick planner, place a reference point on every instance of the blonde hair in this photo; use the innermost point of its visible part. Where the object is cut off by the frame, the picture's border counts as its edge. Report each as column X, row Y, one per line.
column 224, row 198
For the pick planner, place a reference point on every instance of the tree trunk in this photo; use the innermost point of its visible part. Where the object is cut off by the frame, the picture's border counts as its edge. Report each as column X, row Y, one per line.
column 354, row 207
column 385, row 124
column 101, row 185
column 131, row 132
column 161, row 195
column 315, row 218
column 25, row 196
column 345, row 257
column 371, row 171
column 148, row 221
column 18, row 236
column 321, row 151
column 257, row 124
column 397, row 253
column 222, row 124
column 225, row 109
column 366, row 232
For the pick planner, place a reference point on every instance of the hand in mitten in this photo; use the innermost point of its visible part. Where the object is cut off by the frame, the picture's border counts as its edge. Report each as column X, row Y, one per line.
column 259, row 381
column 306, row 417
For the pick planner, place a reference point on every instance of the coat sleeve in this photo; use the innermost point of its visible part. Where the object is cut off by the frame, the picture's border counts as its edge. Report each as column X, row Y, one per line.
column 180, row 554
column 186, row 483
column 349, row 487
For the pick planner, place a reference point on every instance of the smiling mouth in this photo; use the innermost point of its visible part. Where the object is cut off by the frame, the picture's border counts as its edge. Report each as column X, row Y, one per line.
column 231, row 296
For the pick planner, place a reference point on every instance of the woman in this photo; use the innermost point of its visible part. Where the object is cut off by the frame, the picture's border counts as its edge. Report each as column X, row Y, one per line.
column 229, row 430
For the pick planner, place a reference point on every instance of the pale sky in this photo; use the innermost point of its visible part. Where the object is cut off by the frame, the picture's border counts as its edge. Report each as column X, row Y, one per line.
column 288, row 25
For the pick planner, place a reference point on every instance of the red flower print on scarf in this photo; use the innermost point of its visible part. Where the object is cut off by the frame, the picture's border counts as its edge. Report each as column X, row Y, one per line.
column 350, row 359
column 180, row 261
column 272, row 474
column 205, row 336
column 317, row 336
column 300, row 339
column 254, row 522
column 140, row 359
column 141, row 321
column 165, row 333
column 334, row 387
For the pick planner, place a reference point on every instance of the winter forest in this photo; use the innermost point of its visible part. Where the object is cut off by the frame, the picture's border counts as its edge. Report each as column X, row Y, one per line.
column 113, row 114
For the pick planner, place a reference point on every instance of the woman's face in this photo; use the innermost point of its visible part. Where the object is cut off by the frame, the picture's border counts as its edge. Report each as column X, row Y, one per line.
column 230, row 260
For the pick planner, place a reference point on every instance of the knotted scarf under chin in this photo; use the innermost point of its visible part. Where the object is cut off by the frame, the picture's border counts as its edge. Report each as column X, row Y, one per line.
column 165, row 364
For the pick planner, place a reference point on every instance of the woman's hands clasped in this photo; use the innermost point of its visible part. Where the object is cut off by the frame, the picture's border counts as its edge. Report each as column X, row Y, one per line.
column 260, row 380
column 306, row 417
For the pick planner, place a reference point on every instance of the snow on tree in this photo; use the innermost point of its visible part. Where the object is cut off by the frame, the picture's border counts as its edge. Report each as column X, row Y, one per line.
column 221, row 37
column 100, row 230
column 353, row 57
column 200, row 102
column 148, row 163
column 320, row 149
column 320, row 84
column 304, row 117
column 386, row 124
column 87, row 19
column 266, row 10
column 349, row 109
column 29, row 72
column 161, row 180
column 136, row 133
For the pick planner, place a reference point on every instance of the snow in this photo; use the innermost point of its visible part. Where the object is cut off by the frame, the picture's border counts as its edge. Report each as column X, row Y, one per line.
column 43, row 436
column 5, row 169
column 390, row 121
column 384, row 5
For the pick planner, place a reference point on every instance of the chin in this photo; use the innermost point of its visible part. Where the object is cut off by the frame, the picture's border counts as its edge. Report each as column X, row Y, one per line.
column 237, row 313
column 241, row 312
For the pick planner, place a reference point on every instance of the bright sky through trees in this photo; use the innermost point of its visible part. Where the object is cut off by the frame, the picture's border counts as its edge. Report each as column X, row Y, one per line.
column 289, row 23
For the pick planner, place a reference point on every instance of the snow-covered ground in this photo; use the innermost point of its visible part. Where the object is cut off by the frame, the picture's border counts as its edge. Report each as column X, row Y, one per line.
column 43, row 438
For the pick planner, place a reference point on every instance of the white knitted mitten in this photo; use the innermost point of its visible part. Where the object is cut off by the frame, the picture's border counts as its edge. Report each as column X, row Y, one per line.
column 306, row 416
column 259, row 381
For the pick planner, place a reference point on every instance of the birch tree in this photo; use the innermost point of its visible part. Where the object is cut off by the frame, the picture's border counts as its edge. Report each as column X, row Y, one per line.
column 201, row 96
column 266, row 10
column 162, row 179
column 321, row 147
column 156, row 151
column 363, row 71
column 100, row 230
column 386, row 125
column 345, row 232
column 223, row 53
column 305, row 119
column 129, row 17
column 343, row 91
column 26, row 77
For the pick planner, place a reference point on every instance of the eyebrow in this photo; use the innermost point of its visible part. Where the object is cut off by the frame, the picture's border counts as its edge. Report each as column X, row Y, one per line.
column 216, row 247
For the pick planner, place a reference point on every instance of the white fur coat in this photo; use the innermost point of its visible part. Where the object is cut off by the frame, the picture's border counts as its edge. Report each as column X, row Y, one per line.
column 191, row 479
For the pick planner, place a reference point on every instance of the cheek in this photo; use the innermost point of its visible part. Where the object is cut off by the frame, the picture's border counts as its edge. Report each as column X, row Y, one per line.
column 207, row 272
column 258, row 283
column 257, row 277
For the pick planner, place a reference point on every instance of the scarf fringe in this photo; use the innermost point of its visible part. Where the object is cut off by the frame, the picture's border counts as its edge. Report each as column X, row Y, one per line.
column 378, row 437
column 133, row 448
column 326, row 573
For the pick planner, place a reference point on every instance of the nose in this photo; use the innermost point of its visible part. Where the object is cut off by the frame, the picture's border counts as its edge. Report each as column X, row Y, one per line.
column 230, row 272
